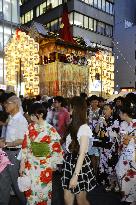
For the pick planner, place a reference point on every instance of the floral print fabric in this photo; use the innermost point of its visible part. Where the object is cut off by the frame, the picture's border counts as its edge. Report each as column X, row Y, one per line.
column 128, row 181
column 128, row 185
column 109, row 156
column 39, row 169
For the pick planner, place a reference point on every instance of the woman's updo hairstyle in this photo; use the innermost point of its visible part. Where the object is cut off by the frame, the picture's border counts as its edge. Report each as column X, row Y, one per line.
column 128, row 111
column 38, row 108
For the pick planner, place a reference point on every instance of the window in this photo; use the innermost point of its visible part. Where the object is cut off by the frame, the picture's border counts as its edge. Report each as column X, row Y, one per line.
column 107, row 7
column 99, row 4
column 14, row 5
column 54, row 25
column 95, row 25
column 109, row 30
column 91, row 25
column 1, row 38
column 90, row 2
column 28, row 16
column 85, row 21
column 86, row 1
column 52, row 3
column 1, row 13
column 31, row 14
column 101, row 28
column 42, row 8
column 37, row 11
column 111, row 8
column 22, row 19
column 7, row 10
column 47, row 6
column 103, row 5
column 71, row 15
column 78, row 19
column 7, row 34
column 60, row 2
column 95, row 3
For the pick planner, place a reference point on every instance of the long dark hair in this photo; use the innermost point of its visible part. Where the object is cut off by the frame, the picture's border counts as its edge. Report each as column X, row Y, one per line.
column 38, row 108
column 78, row 118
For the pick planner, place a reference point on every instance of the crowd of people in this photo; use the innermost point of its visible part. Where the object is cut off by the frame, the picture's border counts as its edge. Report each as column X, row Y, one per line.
column 89, row 141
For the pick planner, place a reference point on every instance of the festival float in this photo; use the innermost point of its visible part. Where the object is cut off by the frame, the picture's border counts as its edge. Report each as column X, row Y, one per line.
column 46, row 63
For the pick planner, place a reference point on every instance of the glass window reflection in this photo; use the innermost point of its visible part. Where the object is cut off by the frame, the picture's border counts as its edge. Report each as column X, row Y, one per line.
column 107, row 7
column 91, row 24
column 103, row 5
column 7, row 10
column 90, row 2
column 71, row 19
column 99, row 4
column 0, row 5
column 95, row 3
column 78, row 19
column 14, row 4
column 101, row 28
column 85, row 21
column 1, row 38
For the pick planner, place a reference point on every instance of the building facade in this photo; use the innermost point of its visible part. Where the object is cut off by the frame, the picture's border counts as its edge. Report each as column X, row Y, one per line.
column 91, row 19
column 9, row 18
column 125, row 45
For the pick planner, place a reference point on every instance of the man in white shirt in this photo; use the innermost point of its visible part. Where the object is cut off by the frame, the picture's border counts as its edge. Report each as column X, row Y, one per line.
column 16, row 128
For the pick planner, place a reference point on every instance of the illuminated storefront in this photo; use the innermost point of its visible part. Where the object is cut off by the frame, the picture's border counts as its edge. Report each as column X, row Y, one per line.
column 9, row 18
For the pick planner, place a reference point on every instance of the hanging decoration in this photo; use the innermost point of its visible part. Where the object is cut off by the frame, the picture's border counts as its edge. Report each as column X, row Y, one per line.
column 102, row 73
column 66, row 79
column 65, row 32
column 22, row 58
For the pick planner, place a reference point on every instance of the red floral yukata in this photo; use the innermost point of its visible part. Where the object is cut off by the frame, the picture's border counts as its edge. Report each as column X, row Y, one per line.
column 40, row 168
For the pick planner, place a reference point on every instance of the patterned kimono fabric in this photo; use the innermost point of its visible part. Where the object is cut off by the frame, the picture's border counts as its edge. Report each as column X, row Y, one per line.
column 39, row 169
column 128, row 181
column 109, row 153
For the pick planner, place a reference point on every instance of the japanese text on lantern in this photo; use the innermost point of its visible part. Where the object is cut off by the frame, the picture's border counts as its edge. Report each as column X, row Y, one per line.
column 22, row 58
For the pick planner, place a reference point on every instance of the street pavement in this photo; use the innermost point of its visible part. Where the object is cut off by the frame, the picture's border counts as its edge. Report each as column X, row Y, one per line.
column 96, row 197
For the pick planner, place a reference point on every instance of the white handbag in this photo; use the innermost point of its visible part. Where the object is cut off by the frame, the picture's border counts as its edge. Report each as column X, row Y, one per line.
column 24, row 183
